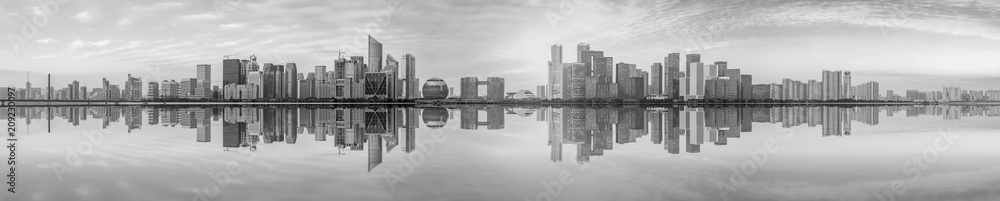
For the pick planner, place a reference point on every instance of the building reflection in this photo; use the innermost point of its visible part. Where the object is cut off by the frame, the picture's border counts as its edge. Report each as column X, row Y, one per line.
column 591, row 131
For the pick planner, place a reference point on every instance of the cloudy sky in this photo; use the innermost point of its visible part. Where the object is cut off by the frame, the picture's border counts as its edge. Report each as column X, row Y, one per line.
column 904, row 44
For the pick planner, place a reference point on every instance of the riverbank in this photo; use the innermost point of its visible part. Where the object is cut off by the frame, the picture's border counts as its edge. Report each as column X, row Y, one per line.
column 37, row 103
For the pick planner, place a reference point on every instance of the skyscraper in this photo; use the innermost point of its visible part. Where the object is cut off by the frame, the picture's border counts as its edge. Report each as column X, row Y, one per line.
column 231, row 72
column 292, row 81
column 574, row 80
column 604, row 69
column 580, row 48
column 672, row 62
column 495, row 88
column 691, row 58
column 411, row 76
column 469, row 87
column 657, row 85
column 374, row 55
column 848, row 93
column 202, row 87
column 588, row 60
column 555, row 77
column 696, row 80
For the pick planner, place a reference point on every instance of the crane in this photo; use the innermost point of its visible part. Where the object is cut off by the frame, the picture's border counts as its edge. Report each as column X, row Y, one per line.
column 227, row 56
column 340, row 52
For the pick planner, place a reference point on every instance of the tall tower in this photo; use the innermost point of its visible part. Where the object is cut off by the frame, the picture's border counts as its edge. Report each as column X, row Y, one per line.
column 203, row 87
column 231, row 72
column 691, row 58
column 580, row 48
column 293, row 80
column 848, row 93
column 411, row 75
column 672, row 63
column 555, row 80
column 657, row 82
column 374, row 55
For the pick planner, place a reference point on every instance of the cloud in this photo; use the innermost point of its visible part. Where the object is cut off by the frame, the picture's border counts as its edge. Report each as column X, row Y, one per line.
column 233, row 26
column 197, row 17
column 80, row 44
column 46, row 41
column 85, row 17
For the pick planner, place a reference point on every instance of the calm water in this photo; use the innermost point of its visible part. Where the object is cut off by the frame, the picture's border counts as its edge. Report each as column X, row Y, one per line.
column 509, row 153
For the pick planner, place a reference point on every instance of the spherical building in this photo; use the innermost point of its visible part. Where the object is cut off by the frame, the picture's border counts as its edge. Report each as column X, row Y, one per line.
column 435, row 88
column 435, row 118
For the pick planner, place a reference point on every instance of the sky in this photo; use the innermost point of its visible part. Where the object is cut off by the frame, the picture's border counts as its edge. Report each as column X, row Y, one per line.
column 903, row 44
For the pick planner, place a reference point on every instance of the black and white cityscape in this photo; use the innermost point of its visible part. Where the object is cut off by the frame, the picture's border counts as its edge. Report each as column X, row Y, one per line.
column 536, row 100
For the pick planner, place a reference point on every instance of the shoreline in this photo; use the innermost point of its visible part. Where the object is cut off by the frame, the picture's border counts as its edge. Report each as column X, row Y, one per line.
column 44, row 103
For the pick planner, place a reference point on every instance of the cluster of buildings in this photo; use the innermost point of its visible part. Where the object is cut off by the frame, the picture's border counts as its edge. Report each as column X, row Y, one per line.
column 383, row 77
column 349, row 78
column 945, row 95
column 593, row 75
column 834, row 85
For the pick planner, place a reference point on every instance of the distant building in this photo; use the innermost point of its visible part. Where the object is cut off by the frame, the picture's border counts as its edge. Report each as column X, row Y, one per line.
column 522, row 94
column 494, row 88
column 656, row 87
column 153, row 92
column 202, row 86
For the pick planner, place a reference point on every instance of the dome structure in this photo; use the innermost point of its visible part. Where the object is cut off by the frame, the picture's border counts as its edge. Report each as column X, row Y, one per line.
column 435, row 118
column 435, row 88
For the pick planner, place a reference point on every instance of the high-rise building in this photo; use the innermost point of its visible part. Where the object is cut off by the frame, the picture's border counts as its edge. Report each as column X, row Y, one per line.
column 555, row 74
column 378, row 85
column 580, row 48
column 588, row 60
column 672, row 62
column 232, row 72
column 470, row 88
column 292, row 81
column 202, row 87
column 848, row 93
column 723, row 67
column 133, row 89
column 153, row 92
column 696, row 80
column 746, row 85
column 495, row 88
column 604, row 69
column 622, row 78
column 374, row 55
column 691, row 58
column 410, row 77
column 540, row 90
column 656, row 87
column 574, row 80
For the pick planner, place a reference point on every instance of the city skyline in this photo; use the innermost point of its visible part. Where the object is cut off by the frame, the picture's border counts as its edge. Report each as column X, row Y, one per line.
column 884, row 44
